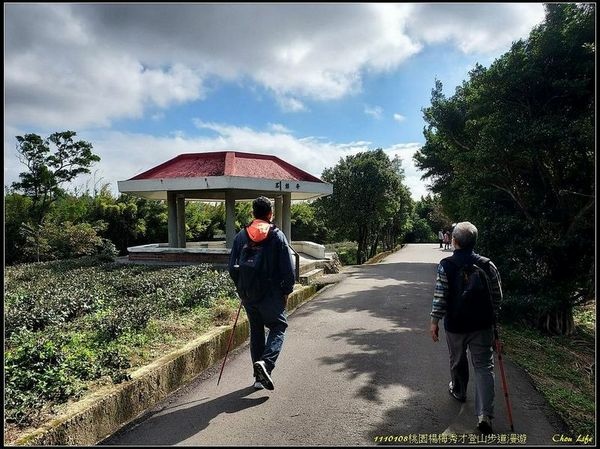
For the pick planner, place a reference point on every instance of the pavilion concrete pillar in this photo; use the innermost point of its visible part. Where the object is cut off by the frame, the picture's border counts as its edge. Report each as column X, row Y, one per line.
column 287, row 216
column 229, row 219
column 172, row 219
column 278, row 212
column 181, row 222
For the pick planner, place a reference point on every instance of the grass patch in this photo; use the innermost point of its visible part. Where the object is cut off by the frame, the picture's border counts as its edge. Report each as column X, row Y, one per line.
column 562, row 368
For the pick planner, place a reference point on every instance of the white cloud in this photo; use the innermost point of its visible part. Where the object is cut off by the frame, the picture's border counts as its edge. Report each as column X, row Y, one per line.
column 93, row 90
column 111, row 61
column 376, row 112
column 399, row 117
column 474, row 27
column 279, row 128
column 124, row 155
column 289, row 104
column 412, row 175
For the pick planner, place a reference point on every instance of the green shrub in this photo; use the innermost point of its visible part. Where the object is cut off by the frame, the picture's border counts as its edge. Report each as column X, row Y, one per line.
column 70, row 240
column 549, row 311
column 107, row 251
column 59, row 240
column 347, row 251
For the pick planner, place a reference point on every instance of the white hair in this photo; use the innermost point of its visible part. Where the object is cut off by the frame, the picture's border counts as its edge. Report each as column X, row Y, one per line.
column 465, row 235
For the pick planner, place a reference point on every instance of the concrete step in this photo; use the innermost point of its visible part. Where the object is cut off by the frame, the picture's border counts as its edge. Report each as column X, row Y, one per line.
column 308, row 266
column 329, row 279
column 311, row 276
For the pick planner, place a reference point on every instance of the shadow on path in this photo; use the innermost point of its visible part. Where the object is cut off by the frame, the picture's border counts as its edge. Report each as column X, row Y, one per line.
column 178, row 425
column 399, row 355
column 405, row 372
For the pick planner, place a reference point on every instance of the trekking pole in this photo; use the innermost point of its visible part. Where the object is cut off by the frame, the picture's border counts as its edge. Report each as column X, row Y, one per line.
column 504, row 386
column 230, row 340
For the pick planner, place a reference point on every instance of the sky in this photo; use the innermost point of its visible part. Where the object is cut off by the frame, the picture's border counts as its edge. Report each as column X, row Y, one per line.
column 309, row 83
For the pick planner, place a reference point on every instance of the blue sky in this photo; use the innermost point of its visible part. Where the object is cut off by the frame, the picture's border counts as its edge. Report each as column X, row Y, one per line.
column 310, row 83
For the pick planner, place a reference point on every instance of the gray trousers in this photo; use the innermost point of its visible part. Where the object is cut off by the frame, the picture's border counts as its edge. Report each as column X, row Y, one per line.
column 480, row 345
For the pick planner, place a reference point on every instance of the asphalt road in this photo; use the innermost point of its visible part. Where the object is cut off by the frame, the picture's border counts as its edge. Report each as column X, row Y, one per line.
column 357, row 365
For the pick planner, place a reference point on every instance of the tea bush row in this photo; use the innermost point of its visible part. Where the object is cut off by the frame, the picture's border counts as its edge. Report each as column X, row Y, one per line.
column 47, row 294
column 46, row 368
column 70, row 322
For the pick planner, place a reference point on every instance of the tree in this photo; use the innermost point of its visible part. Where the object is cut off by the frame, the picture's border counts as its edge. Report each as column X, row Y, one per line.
column 16, row 212
column 51, row 162
column 36, row 246
column 307, row 222
column 431, row 209
column 125, row 221
column 398, row 225
column 367, row 195
column 243, row 214
column 419, row 231
column 513, row 151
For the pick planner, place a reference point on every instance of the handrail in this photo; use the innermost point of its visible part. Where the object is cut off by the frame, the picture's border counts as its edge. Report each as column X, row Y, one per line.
column 297, row 257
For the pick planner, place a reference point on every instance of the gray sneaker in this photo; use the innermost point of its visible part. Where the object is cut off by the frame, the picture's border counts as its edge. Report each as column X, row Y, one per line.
column 262, row 375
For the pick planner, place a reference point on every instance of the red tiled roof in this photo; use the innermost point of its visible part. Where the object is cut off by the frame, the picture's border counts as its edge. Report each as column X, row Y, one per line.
column 226, row 163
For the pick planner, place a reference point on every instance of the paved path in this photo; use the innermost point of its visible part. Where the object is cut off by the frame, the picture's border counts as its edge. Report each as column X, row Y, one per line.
column 357, row 363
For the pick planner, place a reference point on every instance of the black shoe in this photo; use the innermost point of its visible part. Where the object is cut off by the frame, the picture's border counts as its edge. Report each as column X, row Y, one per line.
column 455, row 395
column 485, row 425
column 262, row 375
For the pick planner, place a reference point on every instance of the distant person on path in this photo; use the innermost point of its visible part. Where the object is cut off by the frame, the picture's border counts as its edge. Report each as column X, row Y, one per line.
column 261, row 268
column 468, row 293
column 441, row 237
column 446, row 240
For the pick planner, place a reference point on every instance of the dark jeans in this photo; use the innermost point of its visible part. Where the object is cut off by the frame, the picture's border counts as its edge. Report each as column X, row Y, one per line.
column 269, row 312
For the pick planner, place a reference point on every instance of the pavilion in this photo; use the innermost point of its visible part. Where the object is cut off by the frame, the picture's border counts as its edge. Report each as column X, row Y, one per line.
column 228, row 176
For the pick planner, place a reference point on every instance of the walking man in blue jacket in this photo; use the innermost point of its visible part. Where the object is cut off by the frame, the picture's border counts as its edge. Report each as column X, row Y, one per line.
column 264, row 307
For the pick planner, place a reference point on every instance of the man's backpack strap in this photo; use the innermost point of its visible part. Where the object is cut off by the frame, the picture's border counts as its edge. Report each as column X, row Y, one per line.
column 268, row 242
column 450, row 266
column 482, row 262
column 274, row 252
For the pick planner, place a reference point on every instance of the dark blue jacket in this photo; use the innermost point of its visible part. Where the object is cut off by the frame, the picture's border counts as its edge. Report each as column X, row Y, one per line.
column 283, row 273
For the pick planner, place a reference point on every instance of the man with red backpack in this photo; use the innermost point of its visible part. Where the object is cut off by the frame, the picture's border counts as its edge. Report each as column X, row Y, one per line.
column 468, row 294
column 261, row 268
